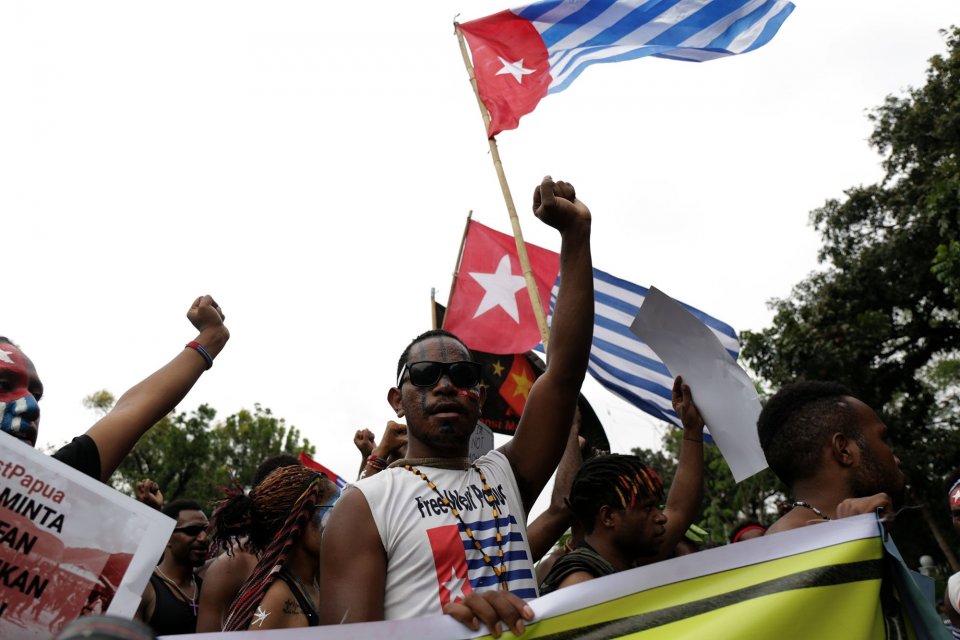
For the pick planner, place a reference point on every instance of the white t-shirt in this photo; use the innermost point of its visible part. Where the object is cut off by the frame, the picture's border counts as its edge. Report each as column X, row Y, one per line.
column 431, row 560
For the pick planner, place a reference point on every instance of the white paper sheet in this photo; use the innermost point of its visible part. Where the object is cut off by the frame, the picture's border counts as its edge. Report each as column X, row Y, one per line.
column 722, row 391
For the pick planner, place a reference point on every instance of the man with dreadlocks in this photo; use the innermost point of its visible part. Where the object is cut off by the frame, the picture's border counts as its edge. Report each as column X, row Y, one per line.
column 617, row 500
column 434, row 532
column 284, row 518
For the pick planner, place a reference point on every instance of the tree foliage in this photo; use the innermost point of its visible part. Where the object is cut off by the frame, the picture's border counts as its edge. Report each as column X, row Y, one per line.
column 192, row 456
column 724, row 501
column 882, row 316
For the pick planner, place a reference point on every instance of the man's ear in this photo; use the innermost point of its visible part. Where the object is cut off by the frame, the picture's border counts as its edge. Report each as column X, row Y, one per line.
column 608, row 517
column 483, row 396
column 844, row 450
column 394, row 397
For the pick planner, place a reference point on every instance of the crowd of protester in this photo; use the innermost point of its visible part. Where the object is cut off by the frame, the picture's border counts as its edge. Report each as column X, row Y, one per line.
column 293, row 552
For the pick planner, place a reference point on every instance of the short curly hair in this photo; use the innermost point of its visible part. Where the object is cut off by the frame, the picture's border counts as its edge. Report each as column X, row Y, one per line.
column 432, row 333
column 797, row 422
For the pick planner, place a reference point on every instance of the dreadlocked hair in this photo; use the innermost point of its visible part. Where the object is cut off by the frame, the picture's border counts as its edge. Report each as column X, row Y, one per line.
column 282, row 506
column 235, row 515
column 615, row 480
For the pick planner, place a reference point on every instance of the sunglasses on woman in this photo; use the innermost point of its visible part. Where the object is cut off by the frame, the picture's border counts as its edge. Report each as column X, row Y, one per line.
column 426, row 373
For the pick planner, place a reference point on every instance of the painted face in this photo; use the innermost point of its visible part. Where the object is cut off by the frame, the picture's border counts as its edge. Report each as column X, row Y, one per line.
column 188, row 543
column 954, row 496
column 879, row 469
column 321, row 513
column 642, row 528
column 20, row 389
column 442, row 415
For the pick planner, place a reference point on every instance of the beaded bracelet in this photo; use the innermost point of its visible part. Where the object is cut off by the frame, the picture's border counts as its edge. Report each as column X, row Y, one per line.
column 193, row 344
column 376, row 462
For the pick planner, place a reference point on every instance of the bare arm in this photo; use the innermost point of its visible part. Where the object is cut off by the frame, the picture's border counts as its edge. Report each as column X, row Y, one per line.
column 221, row 583
column 686, row 492
column 542, row 432
column 147, row 605
column 544, row 532
column 148, row 401
column 353, row 564
column 280, row 608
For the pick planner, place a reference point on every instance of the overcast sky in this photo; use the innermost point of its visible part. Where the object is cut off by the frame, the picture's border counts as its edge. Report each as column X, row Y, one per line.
column 310, row 164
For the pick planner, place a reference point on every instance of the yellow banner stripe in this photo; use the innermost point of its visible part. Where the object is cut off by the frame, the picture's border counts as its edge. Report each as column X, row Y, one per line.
column 849, row 571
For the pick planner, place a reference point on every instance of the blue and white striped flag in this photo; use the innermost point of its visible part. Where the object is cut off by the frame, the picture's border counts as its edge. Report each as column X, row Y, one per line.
column 621, row 361
column 521, row 55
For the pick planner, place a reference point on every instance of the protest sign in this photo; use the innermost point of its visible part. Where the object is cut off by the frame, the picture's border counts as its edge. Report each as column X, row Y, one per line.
column 722, row 391
column 69, row 545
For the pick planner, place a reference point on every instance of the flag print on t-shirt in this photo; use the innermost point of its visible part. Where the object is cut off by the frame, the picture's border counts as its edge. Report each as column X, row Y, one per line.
column 461, row 567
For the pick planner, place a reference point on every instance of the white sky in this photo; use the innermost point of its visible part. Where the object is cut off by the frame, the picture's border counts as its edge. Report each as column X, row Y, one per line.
column 310, row 164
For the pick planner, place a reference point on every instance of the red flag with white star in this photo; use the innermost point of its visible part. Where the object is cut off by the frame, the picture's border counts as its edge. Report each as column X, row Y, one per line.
column 489, row 307
column 510, row 64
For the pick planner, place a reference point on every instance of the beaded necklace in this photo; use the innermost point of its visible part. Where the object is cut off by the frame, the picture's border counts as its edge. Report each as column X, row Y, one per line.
column 807, row 505
column 499, row 571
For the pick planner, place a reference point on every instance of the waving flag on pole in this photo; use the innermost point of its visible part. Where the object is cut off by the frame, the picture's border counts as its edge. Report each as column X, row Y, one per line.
column 490, row 312
column 489, row 307
column 624, row 363
column 521, row 55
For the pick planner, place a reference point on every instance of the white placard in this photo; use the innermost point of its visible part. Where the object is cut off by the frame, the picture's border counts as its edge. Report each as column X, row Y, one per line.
column 69, row 545
column 722, row 391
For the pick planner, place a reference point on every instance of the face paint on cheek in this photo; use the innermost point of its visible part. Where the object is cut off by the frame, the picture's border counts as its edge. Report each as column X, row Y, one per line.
column 470, row 394
column 18, row 418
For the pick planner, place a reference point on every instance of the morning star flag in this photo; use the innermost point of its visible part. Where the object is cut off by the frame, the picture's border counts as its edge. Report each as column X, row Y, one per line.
column 489, row 306
column 490, row 311
column 621, row 361
column 521, row 55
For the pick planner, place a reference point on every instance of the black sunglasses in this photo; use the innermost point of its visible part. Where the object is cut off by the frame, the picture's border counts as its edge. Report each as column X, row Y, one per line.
column 192, row 530
column 463, row 374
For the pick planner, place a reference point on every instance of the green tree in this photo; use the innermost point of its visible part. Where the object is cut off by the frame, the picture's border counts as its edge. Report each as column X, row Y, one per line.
column 882, row 315
column 724, row 500
column 192, row 456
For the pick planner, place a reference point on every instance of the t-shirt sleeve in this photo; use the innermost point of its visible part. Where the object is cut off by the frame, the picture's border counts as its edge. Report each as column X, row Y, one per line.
column 953, row 590
column 81, row 454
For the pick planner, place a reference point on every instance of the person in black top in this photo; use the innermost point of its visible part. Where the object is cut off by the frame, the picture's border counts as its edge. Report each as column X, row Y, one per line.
column 99, row 451
column 171, row 600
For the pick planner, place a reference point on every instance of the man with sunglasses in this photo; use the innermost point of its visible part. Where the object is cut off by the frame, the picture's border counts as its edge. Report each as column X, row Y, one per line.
column 434, row 533
column 171, row 600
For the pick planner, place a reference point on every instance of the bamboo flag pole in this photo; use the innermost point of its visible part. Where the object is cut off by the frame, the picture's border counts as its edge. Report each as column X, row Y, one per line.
column 456, row 269
column 508, row 198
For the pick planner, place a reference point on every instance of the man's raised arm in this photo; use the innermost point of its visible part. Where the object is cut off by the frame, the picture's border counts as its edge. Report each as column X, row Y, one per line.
column 542, row 432
column 144, row 404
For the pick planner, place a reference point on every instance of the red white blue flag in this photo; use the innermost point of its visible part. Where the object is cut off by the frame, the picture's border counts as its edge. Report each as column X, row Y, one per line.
column 521, row 55
column 307, row 461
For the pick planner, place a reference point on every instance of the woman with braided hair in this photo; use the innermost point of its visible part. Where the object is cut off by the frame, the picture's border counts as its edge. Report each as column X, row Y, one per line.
column 284, row 519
